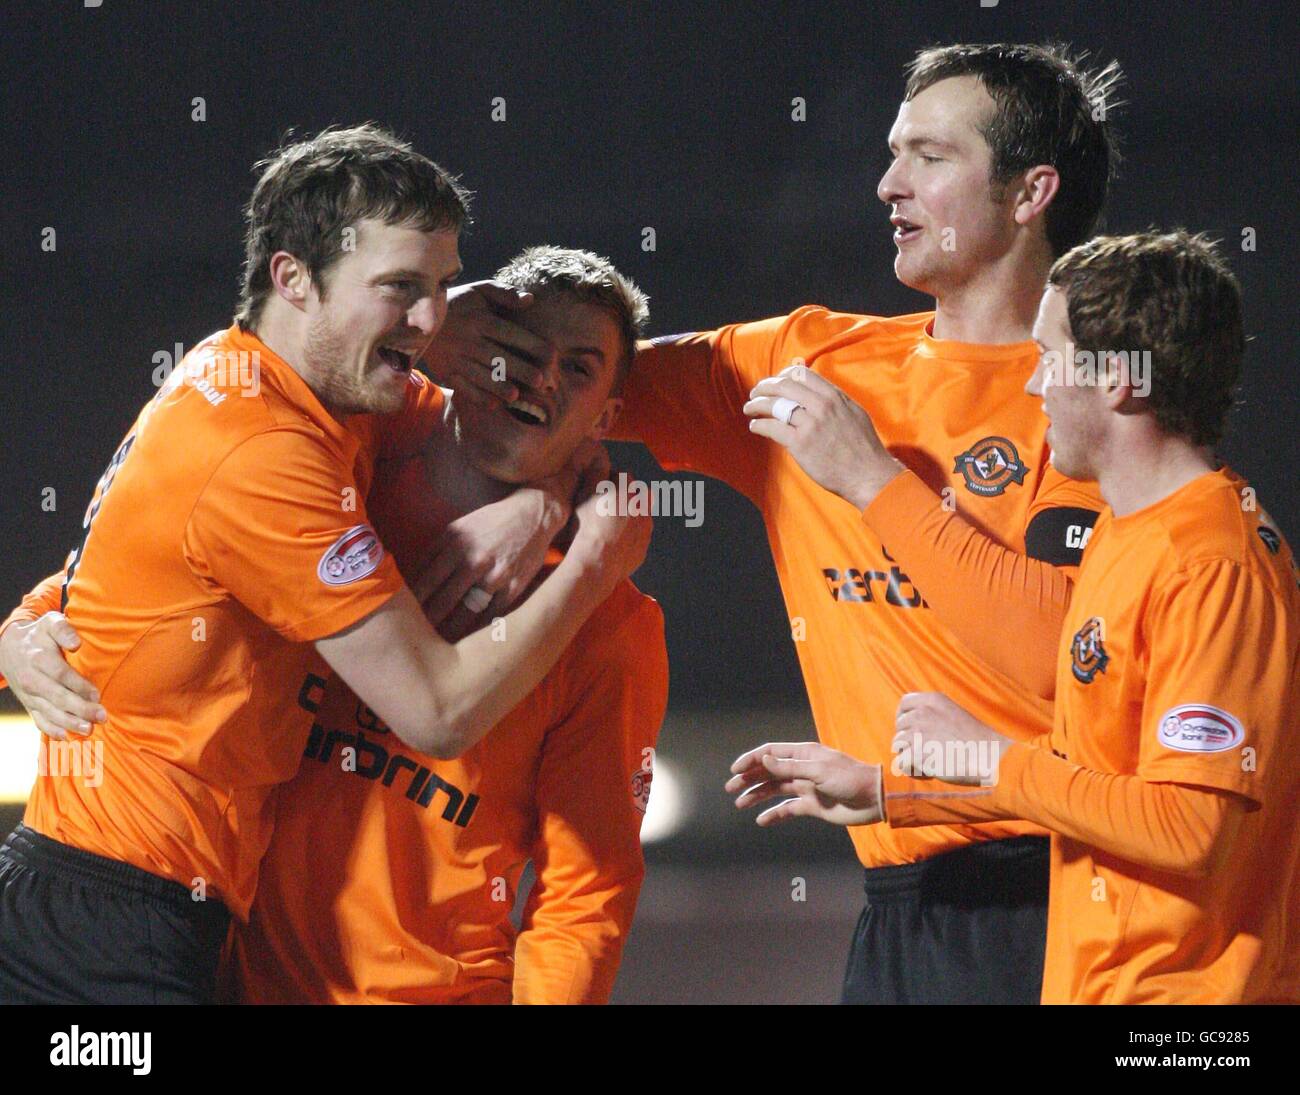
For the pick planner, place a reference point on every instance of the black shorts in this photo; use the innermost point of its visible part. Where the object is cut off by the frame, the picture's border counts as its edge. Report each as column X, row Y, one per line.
column 965, row 927
column 78, row 928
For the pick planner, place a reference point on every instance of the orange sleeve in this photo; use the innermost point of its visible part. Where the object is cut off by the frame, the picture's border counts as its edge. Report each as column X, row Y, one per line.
column 968, row 579
column 45, row 597
column 591, row 794
column 281, row 526
column 1163, row 826
column 1222, row 653
column 684, row 394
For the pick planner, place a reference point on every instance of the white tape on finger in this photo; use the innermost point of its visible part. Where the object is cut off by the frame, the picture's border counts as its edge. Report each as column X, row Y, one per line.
column 783, row 409
column 476, row 600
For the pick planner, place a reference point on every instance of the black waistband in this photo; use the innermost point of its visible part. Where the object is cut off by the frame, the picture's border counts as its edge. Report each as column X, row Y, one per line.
column 42, row 853
column 977, row 865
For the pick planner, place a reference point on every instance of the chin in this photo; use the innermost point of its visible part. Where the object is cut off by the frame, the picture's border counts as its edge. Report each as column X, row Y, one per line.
column 913, row 275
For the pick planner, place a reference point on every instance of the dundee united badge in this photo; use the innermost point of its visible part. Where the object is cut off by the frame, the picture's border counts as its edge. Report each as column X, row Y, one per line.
column 990, row 466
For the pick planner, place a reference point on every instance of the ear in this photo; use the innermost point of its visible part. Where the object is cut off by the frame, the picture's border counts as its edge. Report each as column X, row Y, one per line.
column 1120, row 386
column 290, row 279
column 1037, row 190
column 605, row 421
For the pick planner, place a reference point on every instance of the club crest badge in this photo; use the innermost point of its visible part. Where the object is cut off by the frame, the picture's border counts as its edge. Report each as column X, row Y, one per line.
column 989, row 466
column 1088, row 655
column 641, row 780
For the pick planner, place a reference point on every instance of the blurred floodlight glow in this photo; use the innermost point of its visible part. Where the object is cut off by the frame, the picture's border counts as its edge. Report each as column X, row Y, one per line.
column 19, row 740
column 668, row 810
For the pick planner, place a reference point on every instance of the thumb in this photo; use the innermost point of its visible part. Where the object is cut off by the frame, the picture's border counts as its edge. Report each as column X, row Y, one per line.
column 65, row 634
column 500, row 295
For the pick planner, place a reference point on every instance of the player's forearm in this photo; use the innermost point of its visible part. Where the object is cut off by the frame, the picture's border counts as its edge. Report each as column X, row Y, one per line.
column 45, row 596
column 571, row 954
column 1162, row 826
column 476, row 682
column 982, row 591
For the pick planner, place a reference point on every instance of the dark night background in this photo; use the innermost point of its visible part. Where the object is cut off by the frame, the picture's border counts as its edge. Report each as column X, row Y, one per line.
column 618, row 117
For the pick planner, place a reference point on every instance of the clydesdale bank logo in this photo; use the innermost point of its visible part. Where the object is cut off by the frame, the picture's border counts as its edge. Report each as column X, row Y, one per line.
column 660, row 498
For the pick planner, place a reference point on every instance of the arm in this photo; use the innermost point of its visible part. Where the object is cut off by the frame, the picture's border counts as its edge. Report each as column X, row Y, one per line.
column 1163, row 826
column 32, row 641
column 970, row 579
column 278, row 530
column 588, row 854
column 441, row 698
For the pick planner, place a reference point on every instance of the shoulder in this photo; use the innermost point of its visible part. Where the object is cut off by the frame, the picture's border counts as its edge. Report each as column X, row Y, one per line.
column 818, row 327
column 624, row 634
column 1220, row 537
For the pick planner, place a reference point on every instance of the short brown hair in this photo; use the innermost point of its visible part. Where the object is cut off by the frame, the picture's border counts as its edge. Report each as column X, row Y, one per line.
column 1172, row 294
column 311, row 189
column 588, row 277
column 1049, row 110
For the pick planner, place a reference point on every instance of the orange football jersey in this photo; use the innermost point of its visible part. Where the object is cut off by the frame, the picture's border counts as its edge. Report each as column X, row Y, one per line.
column 391, row 875
column 958, row 416
column 1179, row 664
column 228, row 533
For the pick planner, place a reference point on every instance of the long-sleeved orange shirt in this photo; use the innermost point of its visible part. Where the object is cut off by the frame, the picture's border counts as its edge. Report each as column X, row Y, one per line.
column 392, row 879
column 1167, row 778
column 958, row 416
column 391, row 875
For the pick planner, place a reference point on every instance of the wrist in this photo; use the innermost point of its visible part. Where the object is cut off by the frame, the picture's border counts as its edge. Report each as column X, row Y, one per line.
column 874, row 480
column 587, row 558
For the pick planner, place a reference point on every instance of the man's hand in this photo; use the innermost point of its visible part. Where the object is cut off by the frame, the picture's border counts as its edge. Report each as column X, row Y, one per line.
column 59, row 700
column 499, row 548
column 829, row 435
column 822, row 783
column 479, row 352
column 936, row 739
column 613, row 544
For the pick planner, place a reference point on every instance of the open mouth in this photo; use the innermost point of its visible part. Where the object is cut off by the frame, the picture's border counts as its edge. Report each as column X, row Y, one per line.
column 904, row 230
column 395, row 359
column 530, row 414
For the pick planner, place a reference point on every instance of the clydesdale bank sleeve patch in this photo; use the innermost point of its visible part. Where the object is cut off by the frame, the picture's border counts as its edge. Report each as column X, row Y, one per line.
column 353, row 556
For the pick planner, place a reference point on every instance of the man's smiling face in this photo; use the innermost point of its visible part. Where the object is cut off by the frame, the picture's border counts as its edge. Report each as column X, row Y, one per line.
column 535, row 436
column 378, row 308
column 947, row 224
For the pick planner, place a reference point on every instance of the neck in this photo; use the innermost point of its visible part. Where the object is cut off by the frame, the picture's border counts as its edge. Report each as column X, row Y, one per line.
column 455, row 481
column 1148, row 471
column 284, row 336
column 996, row 309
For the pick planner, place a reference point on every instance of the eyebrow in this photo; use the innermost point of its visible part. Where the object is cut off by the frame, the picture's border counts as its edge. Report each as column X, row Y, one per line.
column 416, row 275
column 917, row 142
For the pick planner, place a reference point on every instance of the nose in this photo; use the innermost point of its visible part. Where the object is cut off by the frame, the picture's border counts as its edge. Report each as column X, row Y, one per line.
column 893, row 187
column 1035, row 385
column 426, row 316
column 548, row 372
